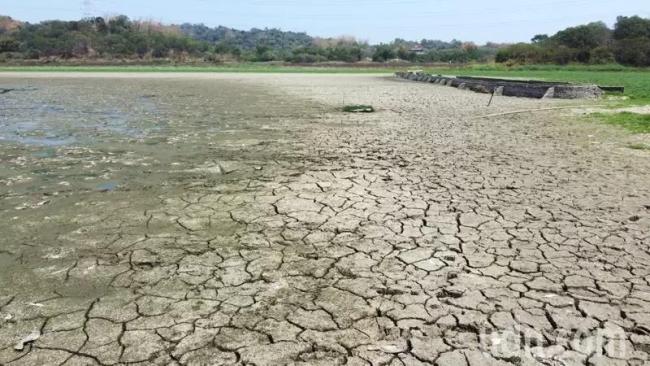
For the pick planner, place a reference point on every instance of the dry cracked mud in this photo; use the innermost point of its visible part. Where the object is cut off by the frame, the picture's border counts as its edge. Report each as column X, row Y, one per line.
column 244, row 220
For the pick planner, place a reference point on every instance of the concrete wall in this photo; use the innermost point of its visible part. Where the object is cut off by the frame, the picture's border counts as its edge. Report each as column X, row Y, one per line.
column 511, row 88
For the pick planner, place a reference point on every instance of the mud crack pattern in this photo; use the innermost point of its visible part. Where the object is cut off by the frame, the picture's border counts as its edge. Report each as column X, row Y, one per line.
column 417, row 235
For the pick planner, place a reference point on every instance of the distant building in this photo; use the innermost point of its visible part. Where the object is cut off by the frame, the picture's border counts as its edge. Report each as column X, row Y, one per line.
column 417, row 49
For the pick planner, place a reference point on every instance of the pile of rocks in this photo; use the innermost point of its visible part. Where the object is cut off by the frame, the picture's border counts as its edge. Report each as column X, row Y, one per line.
column 512, row 88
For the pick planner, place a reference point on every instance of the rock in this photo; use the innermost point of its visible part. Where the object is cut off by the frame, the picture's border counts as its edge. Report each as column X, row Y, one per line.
column 31, row 337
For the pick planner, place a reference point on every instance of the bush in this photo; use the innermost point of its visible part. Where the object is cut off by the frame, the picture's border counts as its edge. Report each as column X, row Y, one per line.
column 405, row 54
column 383, row 53
column 635, row 52
column 602, row 56
column 562, row 55
column 342, row 52
column 306, row 58
column 521, row 53
column 593, row 43
column 32, row 54
column 631, row 28
column 8, row 45
column 584, row 37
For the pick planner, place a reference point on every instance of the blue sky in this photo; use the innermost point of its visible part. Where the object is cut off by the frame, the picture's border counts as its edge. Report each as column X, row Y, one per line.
column 372, row 20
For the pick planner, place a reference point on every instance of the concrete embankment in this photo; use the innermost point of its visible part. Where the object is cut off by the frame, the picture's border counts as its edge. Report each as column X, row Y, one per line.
column 511, row 88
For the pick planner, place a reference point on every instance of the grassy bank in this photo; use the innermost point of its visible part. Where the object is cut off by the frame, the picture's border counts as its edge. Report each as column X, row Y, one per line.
column 253, row 68
column 635, row 80
column 633, row 122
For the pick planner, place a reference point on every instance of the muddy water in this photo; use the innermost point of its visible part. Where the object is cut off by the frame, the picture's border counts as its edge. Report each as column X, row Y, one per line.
column 77, row 150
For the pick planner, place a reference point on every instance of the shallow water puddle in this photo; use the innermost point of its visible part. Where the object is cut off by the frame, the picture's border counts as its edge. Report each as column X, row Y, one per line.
column 108, row 186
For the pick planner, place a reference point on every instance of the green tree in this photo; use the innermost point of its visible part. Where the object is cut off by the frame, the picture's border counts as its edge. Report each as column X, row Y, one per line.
column 633, row 51
column 584, row 37
column 404, row 53
column 632, row 37
column 383, row 53
column 539, row 38
column 8, row 44
column 631, row 27
column 521, row 53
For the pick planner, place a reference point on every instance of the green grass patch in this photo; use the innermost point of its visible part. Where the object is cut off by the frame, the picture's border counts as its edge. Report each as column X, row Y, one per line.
column 358, row 108
column 635, row 80
column 633, row 122
column 639, row 146
column 242, row 68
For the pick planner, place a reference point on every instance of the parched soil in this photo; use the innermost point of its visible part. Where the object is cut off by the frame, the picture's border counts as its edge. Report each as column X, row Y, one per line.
column 220, row 219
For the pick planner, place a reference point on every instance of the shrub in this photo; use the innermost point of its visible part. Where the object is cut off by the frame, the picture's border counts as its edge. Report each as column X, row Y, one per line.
column 635, row 52
column 383, row 53
column 8, row 45
column 594, row 43
column 521, row 53
column 602, row 56
column 631, row 28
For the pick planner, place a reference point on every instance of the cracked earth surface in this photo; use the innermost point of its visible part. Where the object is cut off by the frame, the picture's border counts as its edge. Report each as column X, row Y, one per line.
column 295, row 234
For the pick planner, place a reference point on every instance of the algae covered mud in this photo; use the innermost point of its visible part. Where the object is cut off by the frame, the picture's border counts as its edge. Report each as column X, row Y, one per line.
column 246, row 219
column 79, row 150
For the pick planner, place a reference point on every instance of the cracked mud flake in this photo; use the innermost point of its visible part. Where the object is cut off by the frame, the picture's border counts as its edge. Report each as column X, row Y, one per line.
column 152, row 236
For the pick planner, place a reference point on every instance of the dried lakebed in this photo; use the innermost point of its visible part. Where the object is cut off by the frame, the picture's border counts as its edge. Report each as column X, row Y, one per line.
column 243, row 219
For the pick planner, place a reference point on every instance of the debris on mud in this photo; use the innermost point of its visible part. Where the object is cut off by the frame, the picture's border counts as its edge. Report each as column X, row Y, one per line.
column 31, row 337
column 639, row 146
column 107, row 186
column 358, row 108
column 9, row 90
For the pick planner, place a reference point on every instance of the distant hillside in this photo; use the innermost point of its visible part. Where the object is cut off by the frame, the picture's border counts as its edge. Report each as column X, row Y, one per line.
column 120, row 38
column 247, row 40
column 7, row 24
column 116, row 37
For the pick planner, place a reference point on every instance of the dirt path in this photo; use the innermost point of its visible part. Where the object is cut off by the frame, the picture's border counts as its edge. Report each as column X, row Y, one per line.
column 296, row 234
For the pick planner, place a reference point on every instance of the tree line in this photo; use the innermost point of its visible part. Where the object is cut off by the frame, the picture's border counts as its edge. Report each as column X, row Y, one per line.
column 432, row 51
column 119, row 37
column 122, row 38
column 628, row 43
column 116, row 37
